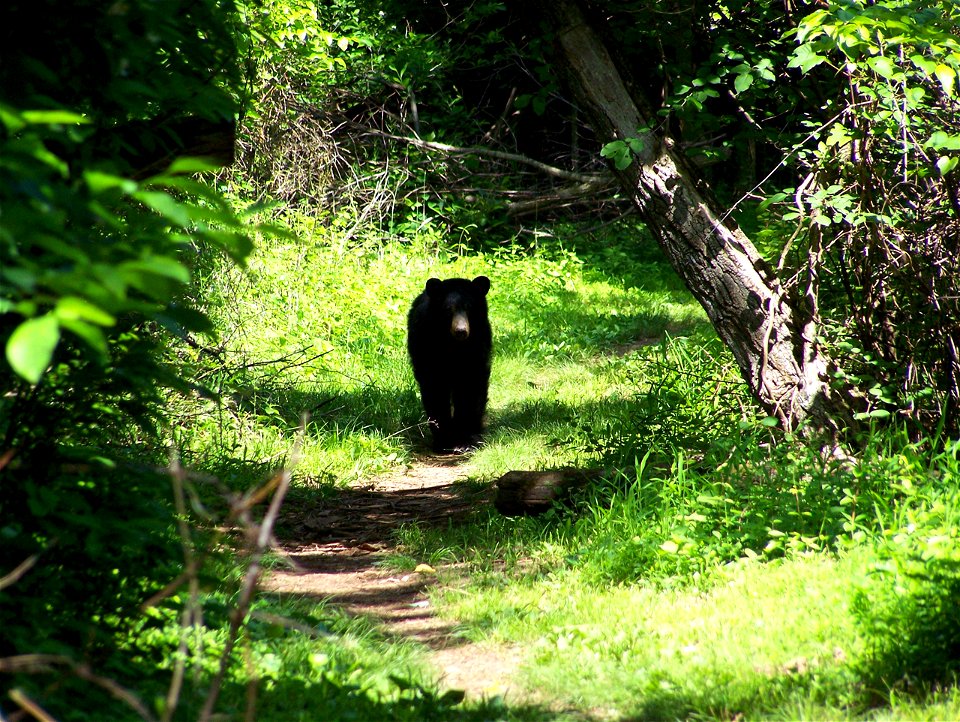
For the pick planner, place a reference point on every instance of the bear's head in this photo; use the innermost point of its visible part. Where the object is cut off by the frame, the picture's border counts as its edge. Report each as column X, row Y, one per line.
column 458, row 300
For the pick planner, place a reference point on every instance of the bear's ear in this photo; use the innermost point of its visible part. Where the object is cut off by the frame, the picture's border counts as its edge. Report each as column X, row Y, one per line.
column 433, row 286
column 482, row 284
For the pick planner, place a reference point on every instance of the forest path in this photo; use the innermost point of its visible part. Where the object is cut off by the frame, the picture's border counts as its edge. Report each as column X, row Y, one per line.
column 336, row 545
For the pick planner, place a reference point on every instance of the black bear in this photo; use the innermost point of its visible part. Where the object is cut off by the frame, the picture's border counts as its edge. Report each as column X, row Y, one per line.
column 450, row 344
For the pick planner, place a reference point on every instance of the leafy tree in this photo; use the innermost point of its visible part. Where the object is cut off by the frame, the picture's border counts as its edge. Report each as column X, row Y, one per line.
column 866, row 104
column 101, row 223
column 772, row 335
column 878, row 198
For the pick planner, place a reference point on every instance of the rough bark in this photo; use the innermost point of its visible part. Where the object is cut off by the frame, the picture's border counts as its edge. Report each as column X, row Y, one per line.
column 773, row 340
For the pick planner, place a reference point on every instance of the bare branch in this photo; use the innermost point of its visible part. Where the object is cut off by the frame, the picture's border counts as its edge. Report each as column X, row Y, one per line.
column 491, row 153
column 43, row 663
column 561, row 197
column 22, row 568
column 264, row 535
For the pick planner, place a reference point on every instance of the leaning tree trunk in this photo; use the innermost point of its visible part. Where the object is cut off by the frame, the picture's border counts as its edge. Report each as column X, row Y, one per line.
column 773, row 342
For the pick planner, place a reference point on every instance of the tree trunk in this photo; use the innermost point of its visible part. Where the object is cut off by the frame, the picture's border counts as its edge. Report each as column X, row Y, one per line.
column 773, row 341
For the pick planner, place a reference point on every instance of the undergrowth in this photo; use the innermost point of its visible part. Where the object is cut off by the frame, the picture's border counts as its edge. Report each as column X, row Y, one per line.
column 719, row 570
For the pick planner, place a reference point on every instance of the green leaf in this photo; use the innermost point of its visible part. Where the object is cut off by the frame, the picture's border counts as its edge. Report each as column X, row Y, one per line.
column 619, row 152
column 923, row 64
column 11, row 119
column 165, row 205
column 742, row 82
column 612, row 149
column 882, row 66
column 805, row 58
column 946, row 163
column 71, row 308
column 636, row 145
column 31, row 346
column 944, row 141
column 159, row 266
column 838, row 136
column 915, row 95
column 54, row 117
column 947, row 76
column 191, row 165
column 775, row 198
column 99, row 182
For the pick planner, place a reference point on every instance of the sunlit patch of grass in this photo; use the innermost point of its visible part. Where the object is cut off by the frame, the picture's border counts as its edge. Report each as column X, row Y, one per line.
column 317, row 326
column 759, row 638
column 304, row 660
column 785, row 585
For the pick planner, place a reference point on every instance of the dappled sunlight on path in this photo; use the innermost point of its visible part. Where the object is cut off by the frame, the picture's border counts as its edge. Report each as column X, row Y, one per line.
column 335, row 545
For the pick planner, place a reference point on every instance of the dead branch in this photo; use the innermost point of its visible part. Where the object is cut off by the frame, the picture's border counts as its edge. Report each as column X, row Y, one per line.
column 491, row 153
column 22, row 568
column 562, row 197
column 260, row 539
column 494, row 130
column 43, row 663
column 28, row 706
column 530, row 493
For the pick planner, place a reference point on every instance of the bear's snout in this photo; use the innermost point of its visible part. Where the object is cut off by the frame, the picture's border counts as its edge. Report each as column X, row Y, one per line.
column 460, row 327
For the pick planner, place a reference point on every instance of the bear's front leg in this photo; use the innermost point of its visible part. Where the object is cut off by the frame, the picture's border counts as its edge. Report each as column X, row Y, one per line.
column 469, row 403
column 436, row 403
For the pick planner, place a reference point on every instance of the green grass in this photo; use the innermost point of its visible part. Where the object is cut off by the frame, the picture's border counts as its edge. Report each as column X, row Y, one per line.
column 714, row 574
column 645, row 652
column 318, row 326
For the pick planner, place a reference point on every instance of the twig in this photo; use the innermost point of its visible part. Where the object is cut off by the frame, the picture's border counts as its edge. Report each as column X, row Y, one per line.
column 783, row 161
column 499, row 154
column 263, row 537
column 193, row 613
column 42, row 663
column 563, row 196
column 29, row 706
column 494, row 130
column 22, row 568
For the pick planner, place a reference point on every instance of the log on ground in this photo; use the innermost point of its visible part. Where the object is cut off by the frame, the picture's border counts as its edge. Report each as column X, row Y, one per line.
column 529, row 493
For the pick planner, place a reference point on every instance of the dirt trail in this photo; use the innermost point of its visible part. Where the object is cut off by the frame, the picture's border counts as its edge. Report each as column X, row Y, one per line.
column 336, row 543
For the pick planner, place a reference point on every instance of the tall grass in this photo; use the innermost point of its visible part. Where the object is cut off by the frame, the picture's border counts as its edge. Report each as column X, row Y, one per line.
column 719, row 569
column 317, row 325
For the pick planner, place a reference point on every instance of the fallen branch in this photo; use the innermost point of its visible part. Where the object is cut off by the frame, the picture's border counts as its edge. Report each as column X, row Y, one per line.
column 562, row 197
column 491, row 153
column 530, row 493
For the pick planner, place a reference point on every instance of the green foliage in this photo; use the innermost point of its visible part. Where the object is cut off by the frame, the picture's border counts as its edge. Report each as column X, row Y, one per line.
column 623, row 152
column 907, row 608
column 124, row 62
column 715, row 543
column 122, row 254
column 880, row 200
column 101, row 227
